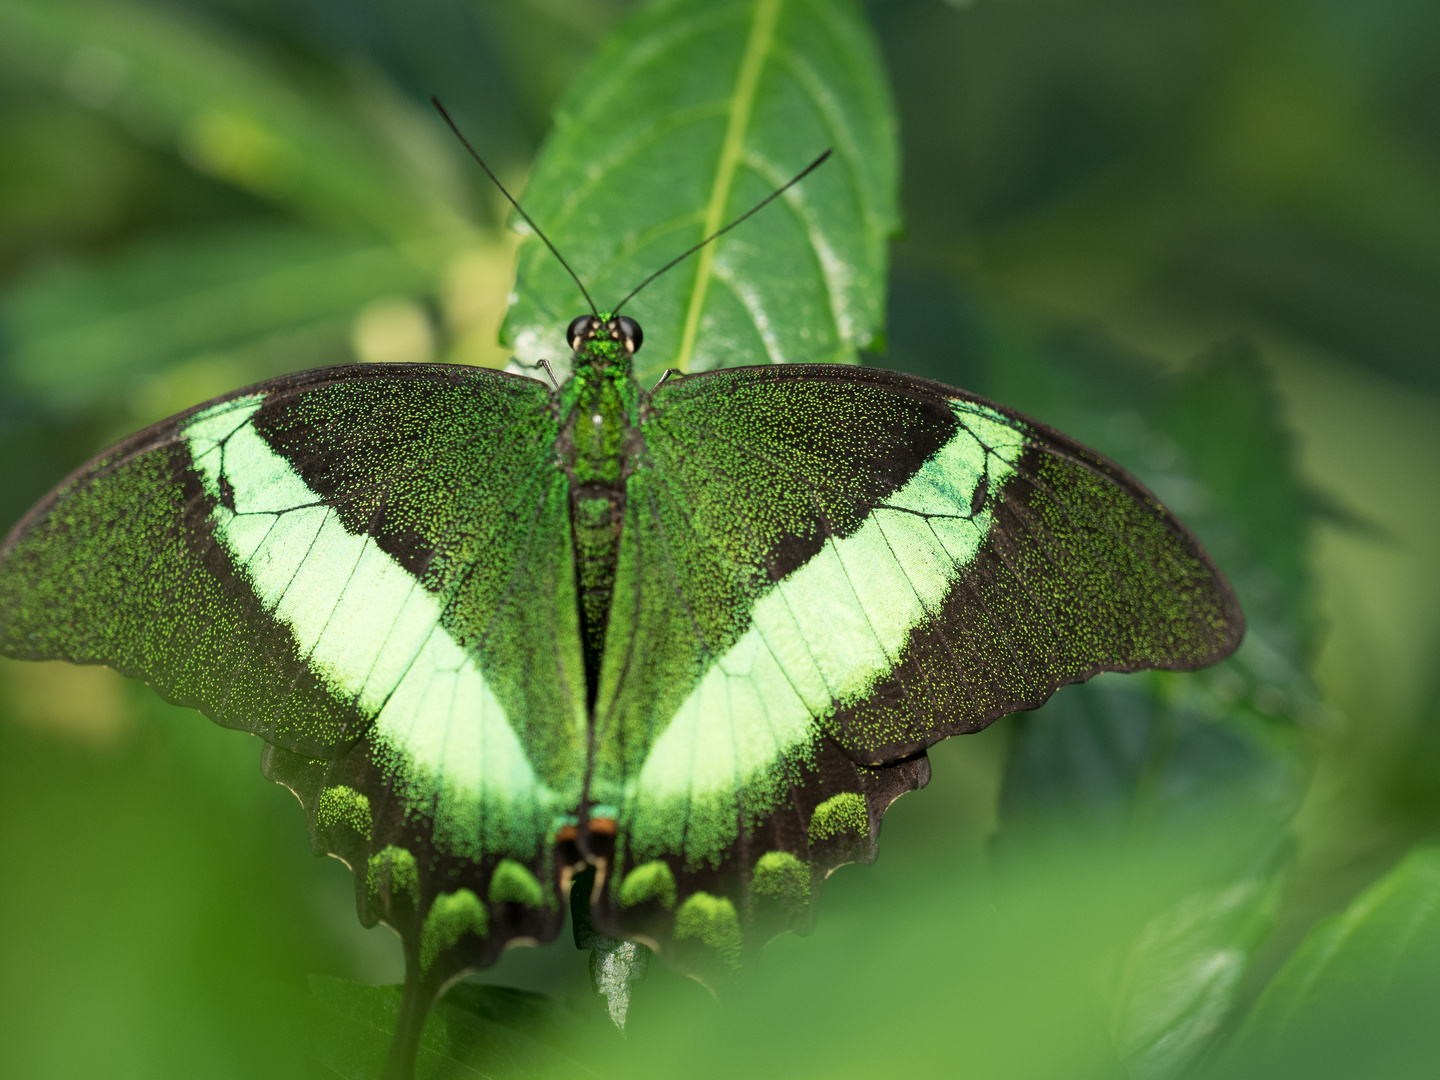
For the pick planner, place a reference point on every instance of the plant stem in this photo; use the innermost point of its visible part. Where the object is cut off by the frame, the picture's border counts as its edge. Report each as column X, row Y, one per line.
column 405, row 1044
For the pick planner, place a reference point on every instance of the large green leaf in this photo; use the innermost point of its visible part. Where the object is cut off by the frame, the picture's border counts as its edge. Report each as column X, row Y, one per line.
column 692, row 112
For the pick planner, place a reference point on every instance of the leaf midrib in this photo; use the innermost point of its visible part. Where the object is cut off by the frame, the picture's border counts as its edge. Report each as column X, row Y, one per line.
column 752, row 63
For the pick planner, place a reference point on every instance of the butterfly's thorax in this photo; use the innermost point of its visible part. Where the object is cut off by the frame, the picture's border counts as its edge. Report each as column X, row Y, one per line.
column 600, row 437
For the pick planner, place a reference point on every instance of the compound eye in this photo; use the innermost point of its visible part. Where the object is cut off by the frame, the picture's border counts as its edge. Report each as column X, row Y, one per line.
column 577, row 331
column 631, row 334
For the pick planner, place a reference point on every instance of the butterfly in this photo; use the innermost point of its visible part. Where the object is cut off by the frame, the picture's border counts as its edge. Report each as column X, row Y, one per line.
column 687, row 643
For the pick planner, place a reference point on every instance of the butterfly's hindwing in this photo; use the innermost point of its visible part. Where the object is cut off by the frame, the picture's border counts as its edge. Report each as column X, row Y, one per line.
column 403, row 868
column 706, row 915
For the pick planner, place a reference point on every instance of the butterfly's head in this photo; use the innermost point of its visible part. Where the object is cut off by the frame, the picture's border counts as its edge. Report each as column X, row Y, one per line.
column 605, row 340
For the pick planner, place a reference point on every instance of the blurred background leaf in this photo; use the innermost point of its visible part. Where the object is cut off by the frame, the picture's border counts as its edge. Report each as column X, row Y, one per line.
column 1200, row 235
column 1357, row 996
column 185, row 319
column 1181, row 979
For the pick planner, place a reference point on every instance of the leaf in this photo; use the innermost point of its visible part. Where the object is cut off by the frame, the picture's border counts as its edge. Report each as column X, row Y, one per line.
column 79, row 335
column 1184, row 972
column 176, row 80
column 160, row 323
column 1356, row 998
column 1150, row 752
column 932, row 965
column 694, row 111
column 474, row 1031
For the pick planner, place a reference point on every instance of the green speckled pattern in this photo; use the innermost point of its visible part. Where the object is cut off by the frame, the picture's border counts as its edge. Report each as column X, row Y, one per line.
column 371, row 568
column 837, row 816
column 391, row 875
column 344, row 806
column 512, row 883
column 710, row 921
column 781, row 877
column 651, row 882
column 453, row 917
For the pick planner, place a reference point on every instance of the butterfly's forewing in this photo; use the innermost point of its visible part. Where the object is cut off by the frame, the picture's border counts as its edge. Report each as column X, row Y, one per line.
column 824, row 571
column 371, row 567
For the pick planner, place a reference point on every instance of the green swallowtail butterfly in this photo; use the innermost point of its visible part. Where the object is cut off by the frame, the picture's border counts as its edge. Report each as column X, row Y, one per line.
column 696, row 638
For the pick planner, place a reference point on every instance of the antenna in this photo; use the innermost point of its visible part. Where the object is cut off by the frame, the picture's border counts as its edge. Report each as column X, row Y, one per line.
column 531, row 221
column 719, row 232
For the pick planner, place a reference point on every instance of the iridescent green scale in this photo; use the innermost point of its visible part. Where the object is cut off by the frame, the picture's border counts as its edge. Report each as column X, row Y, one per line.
column 496, row 633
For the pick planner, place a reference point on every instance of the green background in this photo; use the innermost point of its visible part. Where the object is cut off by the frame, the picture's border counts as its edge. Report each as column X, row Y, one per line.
column 1202, row 235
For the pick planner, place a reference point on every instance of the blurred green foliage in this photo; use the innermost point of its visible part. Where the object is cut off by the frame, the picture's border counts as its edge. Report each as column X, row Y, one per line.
column 1201, row 235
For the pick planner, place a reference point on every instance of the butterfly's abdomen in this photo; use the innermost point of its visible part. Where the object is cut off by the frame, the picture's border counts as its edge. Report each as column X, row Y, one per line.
column 597, row 511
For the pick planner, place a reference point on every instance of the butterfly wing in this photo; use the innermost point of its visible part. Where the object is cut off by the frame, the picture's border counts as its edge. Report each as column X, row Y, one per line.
column 371, row 568
column 825, row 570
